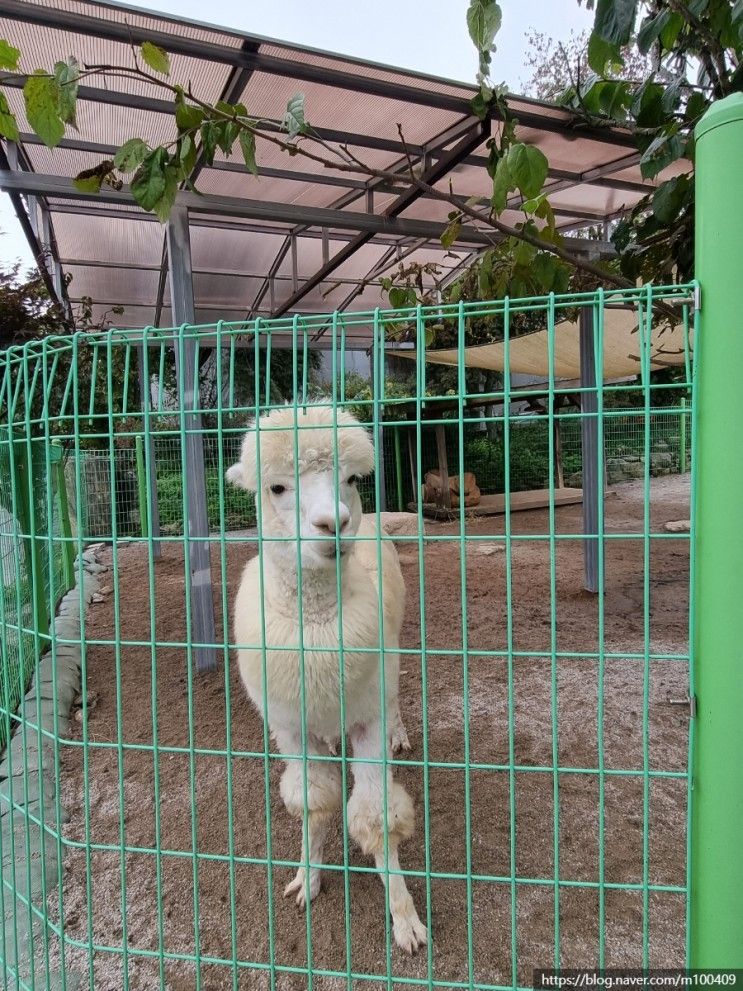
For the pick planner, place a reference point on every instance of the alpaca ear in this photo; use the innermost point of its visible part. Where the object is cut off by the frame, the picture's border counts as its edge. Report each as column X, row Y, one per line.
column 243, row 473
column 236, row 475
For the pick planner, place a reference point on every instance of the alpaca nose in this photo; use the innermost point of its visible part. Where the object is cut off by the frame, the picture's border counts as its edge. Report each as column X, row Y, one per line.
column 324, row 521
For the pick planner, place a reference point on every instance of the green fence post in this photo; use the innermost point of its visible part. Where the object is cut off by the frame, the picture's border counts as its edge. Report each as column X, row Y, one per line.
column 65, row 524
column 23, row 483
column 716, row 908
column 144, row 518
column 682, row 438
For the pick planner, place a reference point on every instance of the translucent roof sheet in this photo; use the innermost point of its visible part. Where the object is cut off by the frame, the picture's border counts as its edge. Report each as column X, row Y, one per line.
column 260, row 245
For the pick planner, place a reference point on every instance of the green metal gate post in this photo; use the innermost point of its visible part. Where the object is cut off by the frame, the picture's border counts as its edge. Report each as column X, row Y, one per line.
column 68, row 548
column 717, row 807
column 682, row 438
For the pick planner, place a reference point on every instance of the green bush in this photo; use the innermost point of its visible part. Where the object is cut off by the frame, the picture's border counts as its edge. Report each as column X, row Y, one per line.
column 239, row 506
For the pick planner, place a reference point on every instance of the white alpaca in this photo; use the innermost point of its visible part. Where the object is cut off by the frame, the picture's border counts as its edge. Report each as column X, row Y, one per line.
column 309, row 512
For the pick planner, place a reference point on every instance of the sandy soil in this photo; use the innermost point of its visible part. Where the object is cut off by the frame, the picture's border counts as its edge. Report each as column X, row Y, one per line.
column 240, row 895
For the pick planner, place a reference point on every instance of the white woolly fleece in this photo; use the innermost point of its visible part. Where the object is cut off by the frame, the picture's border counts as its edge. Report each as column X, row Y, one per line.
column 316, row 439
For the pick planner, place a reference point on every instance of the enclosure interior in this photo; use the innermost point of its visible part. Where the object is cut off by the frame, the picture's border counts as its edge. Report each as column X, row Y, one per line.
column 548, row 772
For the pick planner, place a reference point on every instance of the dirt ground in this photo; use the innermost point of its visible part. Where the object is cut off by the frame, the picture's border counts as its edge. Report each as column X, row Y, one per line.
column 154, row 694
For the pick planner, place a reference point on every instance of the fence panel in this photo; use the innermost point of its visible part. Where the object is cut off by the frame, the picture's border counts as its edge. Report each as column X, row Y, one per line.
column 548, row 774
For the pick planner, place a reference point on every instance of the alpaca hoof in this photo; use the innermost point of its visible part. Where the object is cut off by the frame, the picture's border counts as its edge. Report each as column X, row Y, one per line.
column 410, row 933
column 299, row 888
column 399, row 739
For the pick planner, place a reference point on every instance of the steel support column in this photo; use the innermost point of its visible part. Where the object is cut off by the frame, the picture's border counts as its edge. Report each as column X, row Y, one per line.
column 593, row 486
column 196, row 543
column 153, row 508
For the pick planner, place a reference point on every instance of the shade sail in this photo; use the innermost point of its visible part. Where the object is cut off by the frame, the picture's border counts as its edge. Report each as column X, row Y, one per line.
column 528, row 355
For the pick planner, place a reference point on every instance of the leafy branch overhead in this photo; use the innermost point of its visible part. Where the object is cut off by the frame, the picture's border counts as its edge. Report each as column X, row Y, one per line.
column 651, row 66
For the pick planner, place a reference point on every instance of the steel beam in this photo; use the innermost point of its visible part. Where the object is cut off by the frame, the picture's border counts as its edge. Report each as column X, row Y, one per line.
column 198, row 554
column 234, row 206
column 34, row 242
column 413, row 193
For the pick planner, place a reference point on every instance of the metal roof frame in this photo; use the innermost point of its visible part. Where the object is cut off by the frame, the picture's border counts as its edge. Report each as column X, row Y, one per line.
column 385, row 219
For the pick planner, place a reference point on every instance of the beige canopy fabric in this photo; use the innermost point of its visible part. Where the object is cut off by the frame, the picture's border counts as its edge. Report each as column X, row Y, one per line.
column 528, row 355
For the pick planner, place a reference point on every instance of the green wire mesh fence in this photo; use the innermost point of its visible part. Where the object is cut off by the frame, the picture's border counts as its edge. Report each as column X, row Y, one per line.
column 548, row 772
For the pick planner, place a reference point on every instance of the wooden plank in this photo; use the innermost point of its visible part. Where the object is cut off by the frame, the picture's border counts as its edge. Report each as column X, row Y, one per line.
column 494, row 505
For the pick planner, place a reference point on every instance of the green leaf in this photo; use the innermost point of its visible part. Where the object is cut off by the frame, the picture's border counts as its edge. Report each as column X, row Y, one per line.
column 66, row 75
column 209, row 140
column 614, row 97
column 603, row 53
column 502, row 184
column 148, row 185
column 9, row 56
column 88, row 183
column 225, row 132
column 661, row 152
column 247, row 145
column 480, row 106
column 294, row 121
column 187, row 117
column 696, row 105
column 8, row 123
column 483, row 23
column 41, row 96
column 672, row 95
column 402, row 297
column 157, row 58
column 164, row 205
column 671, row 31
column 669, row 198
column 452, row 231
column 650, row 31
column 186, row 155
column 131, row 155
column 528, row 167
column 615, row 20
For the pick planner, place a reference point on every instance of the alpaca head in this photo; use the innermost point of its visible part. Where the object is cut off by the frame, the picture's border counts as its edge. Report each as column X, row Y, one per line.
column 291, row 455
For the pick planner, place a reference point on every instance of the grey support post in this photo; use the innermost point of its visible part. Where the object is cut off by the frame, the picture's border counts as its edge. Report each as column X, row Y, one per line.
column 153, row 507
column 593, row 487
column 198, row 553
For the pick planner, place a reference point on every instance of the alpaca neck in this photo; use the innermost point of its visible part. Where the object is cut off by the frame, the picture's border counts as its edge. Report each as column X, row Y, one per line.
column 319, row 585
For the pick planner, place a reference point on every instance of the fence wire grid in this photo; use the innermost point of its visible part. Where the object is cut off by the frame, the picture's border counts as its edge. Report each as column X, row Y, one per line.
column 548, row 773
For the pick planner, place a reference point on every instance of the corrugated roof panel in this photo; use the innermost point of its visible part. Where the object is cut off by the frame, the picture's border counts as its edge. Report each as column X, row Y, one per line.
column 340, row 109
column 234, row 251
column 133, row 241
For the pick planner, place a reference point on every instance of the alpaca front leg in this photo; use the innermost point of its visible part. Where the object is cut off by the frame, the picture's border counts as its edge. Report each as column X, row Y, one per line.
column 323, row 798
column 317, row 831
column 367, row 826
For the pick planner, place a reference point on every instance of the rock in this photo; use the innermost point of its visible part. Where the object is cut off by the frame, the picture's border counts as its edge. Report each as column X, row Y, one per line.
column 661, row 460
column 634, row 470
column 677, row 526
column 399, row 524
column 486, row 548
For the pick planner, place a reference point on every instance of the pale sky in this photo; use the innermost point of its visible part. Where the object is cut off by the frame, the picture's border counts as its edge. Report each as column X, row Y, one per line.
column 428, row 37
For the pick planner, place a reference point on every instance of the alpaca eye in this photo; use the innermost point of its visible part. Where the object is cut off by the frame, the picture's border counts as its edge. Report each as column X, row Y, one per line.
column 278, row 489
column 352, row 480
